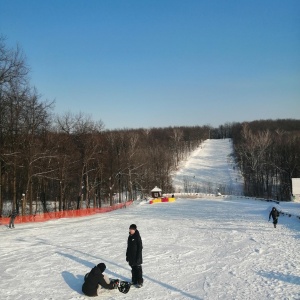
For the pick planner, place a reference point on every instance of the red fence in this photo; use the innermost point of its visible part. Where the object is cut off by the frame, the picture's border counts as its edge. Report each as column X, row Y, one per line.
column 64, row 214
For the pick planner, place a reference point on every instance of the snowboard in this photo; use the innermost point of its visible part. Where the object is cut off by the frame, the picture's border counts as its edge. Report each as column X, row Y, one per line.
column 123, row 286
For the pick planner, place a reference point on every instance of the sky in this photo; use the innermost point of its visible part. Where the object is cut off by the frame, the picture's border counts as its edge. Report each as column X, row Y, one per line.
column 161, row 63
column 205, row 248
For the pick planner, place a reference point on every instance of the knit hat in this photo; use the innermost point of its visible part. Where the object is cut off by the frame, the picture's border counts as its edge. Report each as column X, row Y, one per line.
column 102, row 267
column 132, row 226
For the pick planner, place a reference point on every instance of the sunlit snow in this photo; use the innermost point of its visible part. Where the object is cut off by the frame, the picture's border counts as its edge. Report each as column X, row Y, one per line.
column 204, row 248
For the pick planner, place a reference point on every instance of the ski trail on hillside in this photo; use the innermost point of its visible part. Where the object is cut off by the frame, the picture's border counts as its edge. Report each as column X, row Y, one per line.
column 209, row 169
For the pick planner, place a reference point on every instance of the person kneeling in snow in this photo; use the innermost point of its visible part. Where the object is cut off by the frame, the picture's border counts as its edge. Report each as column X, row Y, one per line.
column 95, row 280
column 274, row 213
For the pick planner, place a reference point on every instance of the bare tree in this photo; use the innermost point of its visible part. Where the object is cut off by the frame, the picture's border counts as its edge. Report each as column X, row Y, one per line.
column 176, row 136
column 12, row 66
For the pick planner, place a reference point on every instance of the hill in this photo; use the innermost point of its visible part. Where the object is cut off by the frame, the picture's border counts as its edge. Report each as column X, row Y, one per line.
column 203, row 248
column 209, row 169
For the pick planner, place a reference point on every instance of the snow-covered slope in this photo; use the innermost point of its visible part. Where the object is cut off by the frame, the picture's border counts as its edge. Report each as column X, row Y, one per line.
column 210, row 168
column 193, row 249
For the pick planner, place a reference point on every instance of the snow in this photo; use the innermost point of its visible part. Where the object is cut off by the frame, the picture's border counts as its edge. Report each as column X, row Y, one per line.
column 209, row 168
column 203, row 248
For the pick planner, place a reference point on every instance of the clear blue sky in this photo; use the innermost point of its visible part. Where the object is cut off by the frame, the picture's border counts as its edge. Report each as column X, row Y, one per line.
column 160, row 63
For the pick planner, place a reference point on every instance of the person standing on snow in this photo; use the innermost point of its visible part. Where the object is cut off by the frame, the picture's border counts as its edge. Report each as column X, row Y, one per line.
column 12, row 216
column 134, row 255
column 95, row 280
column 274, row 213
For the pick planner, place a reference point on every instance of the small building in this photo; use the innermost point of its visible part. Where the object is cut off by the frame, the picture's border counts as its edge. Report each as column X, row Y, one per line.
column 156, row 192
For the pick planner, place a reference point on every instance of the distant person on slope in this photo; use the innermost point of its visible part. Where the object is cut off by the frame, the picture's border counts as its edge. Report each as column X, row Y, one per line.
column 12, row 216
column 274, row 213
column 95, row 280
column 134, row 255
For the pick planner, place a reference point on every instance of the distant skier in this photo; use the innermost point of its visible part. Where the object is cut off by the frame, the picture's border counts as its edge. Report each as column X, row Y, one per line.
column 274, row 213
column 12, row 216
column 95, row 280
column 134, row 255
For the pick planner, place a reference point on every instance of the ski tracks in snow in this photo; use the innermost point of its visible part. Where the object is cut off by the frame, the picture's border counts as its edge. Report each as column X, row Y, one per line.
column 193, row 249
column 224, row 250
column 253, row 258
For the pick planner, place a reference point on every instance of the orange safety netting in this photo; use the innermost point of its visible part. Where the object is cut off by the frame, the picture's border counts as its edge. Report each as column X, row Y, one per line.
column 64, row 214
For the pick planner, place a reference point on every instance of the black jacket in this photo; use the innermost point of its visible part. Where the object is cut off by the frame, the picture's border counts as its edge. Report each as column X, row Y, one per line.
column 13, row 214
column 92, row 280
column 274, row 214
column 134, row 249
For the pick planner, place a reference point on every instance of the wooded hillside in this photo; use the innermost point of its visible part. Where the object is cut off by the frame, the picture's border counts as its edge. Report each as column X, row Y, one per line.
column 71, row 161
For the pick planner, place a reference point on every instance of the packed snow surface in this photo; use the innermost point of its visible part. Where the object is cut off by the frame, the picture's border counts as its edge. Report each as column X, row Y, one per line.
column 216, row 248
column 211, row 168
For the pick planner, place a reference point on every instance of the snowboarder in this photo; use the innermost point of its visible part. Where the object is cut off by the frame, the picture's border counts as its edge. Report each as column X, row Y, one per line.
column 95, row 280
column 274, row 213
column 12, row 216
column 134, row 255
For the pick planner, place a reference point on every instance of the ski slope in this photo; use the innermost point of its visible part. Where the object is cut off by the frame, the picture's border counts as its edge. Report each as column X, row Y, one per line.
column 209, row 169
column 222, row 248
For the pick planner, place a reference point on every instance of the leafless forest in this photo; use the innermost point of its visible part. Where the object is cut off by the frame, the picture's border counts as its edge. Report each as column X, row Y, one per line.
column 268, row 153
column 71, row 161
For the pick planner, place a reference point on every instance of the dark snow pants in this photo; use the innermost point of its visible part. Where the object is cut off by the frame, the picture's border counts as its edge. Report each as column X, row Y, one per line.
column 137, row 274
column 275, row 221
column 12, row 222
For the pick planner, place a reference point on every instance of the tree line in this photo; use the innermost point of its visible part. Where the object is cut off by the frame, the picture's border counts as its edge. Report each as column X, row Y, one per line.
column 268, row 154
column 60, row 162
column 70, row 161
